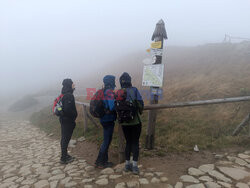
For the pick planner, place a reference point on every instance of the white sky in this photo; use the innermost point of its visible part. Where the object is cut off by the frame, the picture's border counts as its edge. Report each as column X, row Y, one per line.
column 43, row 41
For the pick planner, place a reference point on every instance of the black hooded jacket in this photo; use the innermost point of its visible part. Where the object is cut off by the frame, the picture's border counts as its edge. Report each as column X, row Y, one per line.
column 68, row 102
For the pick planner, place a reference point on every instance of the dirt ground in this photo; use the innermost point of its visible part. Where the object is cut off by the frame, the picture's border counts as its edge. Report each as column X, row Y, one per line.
column 173, row 164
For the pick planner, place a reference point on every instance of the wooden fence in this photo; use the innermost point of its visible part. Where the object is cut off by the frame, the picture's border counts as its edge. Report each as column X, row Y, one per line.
column 155, row 107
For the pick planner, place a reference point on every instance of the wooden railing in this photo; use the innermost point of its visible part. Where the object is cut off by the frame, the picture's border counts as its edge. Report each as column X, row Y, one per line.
column 150, row 131
column 170, row 105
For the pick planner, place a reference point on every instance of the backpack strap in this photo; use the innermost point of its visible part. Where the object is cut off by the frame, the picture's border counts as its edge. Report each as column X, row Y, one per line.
column 106, row 110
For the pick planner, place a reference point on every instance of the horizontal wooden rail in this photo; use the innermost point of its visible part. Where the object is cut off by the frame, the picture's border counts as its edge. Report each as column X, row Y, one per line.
column 82, row 103
column 197, row 103
column 190, row 103
column 170, row 105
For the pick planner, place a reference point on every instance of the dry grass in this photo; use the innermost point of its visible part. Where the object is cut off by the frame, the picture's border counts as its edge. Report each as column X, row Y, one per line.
column 194, row 73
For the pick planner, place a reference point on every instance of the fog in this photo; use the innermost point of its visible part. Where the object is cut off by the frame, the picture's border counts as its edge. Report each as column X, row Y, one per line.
column 44, row 41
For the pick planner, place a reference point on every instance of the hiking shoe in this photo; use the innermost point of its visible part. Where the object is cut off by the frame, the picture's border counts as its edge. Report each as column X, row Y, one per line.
column 63, row 161
column 99, row 165
column 135, row 170
column 69, row 157
column 104, row 165
column 67, row 160
column 108, row 165
column 128, row 167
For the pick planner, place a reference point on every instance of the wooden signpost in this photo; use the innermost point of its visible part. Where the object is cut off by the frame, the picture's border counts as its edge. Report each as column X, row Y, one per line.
column 157, row 47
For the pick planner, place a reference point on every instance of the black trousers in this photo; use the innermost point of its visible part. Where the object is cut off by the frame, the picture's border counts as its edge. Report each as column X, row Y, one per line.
column 67, row 128
column 132, row 135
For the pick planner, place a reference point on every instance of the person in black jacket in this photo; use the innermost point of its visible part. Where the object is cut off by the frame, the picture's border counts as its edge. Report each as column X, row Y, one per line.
column 67, row 120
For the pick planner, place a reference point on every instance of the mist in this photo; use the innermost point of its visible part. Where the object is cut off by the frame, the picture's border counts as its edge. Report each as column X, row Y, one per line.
column 43, row 42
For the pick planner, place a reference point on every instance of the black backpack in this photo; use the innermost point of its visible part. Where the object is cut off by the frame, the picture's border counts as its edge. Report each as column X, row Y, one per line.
column 97, row 108
column 126, row 108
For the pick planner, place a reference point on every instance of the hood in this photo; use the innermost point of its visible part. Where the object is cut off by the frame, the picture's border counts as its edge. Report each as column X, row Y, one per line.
column 109, row 81
column 67, row 86
column 125, row 80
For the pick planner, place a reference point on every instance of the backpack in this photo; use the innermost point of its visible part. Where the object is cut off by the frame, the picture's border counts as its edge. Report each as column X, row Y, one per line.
column 57, row 106
column 97, row 108
column 125, row 108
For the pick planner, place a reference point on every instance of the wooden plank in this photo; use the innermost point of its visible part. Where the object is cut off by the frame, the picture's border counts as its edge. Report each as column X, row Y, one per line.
column 92, row 120
column 197, row 103
column 248, row 129
column 190, row 103
column 82, row 103
column 241, row 125
column 85, row 120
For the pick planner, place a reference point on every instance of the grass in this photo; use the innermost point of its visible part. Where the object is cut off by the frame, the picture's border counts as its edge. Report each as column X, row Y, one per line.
column 197, row 73
column 177, row 130
column 46, row 121
column 23, row 104
column 49, row 123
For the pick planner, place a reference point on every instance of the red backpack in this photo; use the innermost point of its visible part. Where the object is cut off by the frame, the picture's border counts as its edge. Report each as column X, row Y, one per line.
column 57, row 108
column 97, row 108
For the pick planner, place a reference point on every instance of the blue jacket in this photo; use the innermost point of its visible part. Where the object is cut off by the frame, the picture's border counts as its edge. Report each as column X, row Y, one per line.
column 109, row 104
column 134, row 95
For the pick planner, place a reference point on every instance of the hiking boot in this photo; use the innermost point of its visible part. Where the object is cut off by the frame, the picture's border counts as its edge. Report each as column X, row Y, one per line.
column 108, row 165
column 135, row 170
column 99, row 165
column 69, row 157
column 128, row 167
column 104, row 165
column 66, row 160
column 63, row 161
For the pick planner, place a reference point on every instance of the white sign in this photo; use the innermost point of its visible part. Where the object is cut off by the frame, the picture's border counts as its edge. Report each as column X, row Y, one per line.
column 153, row 75
column 156, row 51
column 147, row 61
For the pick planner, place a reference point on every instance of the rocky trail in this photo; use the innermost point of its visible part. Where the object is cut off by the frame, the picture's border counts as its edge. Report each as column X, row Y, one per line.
column 29, row 158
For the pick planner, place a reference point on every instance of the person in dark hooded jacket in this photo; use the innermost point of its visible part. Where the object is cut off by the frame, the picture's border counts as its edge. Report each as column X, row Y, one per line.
column 67, row 120
column 107, row 122
column 132, row 128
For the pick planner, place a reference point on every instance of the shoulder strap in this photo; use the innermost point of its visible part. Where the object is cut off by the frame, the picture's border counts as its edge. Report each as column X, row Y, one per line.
column 131, row 94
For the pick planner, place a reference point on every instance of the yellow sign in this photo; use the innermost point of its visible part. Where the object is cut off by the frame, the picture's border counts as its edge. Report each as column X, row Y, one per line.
column 156, row 44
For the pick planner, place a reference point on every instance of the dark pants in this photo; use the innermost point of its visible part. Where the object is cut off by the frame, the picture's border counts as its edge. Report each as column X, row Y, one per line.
column 67, row 128
column 132, row 135
column 108, row 129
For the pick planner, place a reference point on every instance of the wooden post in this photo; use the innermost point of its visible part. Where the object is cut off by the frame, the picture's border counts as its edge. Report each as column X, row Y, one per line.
column 85, row 120
column 121, row 144
column 92, row 120
column 158, row 35
column 241, row 125
column 248, row 129
column 150, row 134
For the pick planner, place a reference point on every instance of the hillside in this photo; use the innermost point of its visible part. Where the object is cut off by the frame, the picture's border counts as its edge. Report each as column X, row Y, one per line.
column 194, row 73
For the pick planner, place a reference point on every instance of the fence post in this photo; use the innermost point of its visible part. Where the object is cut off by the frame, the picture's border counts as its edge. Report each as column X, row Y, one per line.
column 158, row 36
column 121, row 144
column 85, row 120
column 150, row 133
column 249, row 129
column 244, row 122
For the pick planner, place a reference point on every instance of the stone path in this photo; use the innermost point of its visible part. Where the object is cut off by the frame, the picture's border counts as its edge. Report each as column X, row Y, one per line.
column 29, row 158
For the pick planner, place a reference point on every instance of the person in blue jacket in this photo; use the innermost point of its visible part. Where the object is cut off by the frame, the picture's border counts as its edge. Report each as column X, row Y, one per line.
column 107, row 121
